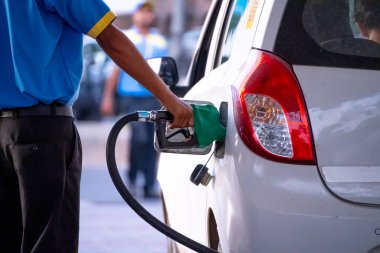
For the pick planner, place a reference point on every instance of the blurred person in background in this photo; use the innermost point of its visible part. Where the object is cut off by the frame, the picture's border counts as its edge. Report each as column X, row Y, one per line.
column 122, row 94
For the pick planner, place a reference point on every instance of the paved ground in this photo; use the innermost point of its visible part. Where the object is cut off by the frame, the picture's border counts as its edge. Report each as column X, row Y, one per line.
column 108, row 225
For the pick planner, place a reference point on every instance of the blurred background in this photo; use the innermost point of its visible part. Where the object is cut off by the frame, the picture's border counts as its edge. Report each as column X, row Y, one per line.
column 180, row 21
column 108, row 225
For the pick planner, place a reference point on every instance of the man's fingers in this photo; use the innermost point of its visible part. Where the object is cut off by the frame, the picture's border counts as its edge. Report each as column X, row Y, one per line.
column 182, row 122
column 182, row 112
column 178, row 123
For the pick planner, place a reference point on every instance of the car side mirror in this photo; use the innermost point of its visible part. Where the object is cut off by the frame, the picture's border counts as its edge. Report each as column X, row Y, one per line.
column 166, row 68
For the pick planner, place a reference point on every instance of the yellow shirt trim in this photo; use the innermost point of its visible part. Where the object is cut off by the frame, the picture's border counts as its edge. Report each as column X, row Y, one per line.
column 101, row 25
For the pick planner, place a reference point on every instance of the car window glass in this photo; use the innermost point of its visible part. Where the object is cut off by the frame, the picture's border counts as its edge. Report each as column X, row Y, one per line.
column 338, row 27
column 324, row 33
column 230, row 33
column 198, row 69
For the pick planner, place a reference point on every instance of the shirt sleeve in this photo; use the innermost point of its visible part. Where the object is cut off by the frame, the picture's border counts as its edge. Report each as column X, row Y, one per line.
column 90, row 17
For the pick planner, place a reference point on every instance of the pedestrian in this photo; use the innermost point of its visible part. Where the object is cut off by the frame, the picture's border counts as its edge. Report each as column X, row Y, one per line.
column 131, row 96
column 40, row 152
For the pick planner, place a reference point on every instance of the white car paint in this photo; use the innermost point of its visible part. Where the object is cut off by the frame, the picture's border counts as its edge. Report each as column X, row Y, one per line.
column 265, row 206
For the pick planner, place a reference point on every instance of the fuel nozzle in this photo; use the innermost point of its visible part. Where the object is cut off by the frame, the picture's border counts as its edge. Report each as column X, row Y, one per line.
column 190, row 140
column 153, row 116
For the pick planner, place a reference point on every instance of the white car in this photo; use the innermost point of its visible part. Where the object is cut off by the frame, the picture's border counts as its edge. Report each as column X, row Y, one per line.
column 299, row 170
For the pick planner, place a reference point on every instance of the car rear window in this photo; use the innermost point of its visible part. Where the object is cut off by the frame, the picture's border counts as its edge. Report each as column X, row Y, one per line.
column 334, row 33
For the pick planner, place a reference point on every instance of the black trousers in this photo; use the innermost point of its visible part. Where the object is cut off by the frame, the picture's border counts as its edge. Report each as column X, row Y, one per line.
column 40, row 169
column 142, row 155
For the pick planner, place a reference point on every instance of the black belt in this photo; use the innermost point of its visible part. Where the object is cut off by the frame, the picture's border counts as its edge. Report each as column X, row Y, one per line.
column 38, row 110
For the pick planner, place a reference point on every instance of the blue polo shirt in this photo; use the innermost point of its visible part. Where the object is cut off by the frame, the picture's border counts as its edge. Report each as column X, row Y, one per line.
column 41, row 48
column 151, row 45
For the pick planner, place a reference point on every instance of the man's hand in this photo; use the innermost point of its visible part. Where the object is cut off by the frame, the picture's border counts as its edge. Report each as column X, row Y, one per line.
column 106, row 106
column 182, row 112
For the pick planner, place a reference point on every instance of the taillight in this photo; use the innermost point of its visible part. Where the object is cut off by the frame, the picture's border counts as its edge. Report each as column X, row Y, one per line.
column 270, row 112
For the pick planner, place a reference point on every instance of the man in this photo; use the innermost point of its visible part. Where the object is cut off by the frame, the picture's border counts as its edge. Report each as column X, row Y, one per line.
column 132, row 97
column 367, row 16
column 40, row 153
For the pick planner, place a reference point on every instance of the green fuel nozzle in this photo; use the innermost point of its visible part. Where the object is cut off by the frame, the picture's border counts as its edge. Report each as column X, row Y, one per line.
column 207, row 129
column 207, row 125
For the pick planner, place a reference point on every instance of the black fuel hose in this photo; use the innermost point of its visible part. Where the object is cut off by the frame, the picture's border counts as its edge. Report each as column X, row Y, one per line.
column 131, row 201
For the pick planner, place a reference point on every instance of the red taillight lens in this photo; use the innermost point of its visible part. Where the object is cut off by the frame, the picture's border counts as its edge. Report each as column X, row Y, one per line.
column 270, row 112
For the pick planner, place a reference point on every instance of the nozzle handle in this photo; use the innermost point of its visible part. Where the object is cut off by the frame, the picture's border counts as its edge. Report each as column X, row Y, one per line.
column 164, row 115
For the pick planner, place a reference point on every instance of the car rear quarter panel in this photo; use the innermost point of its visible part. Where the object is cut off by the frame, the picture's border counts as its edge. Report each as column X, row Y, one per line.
column 266, row 206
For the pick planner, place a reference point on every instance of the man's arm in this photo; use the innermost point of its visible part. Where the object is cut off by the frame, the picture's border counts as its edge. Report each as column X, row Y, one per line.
column 127, row 57
column 107, row 104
